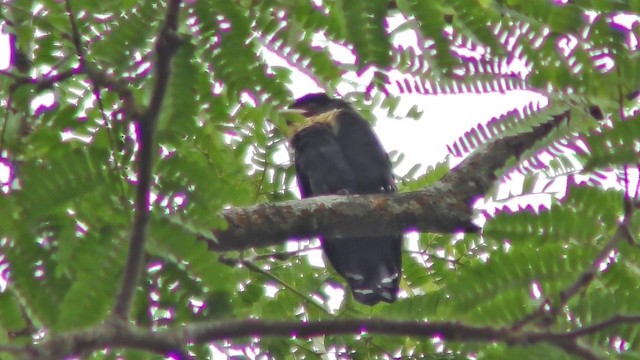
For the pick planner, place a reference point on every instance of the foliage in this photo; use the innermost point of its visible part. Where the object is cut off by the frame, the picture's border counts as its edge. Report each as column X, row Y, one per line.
column 67, row 205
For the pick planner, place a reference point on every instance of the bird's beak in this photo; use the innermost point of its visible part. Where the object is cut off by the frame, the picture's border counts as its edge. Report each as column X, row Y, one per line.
column 292, row 115
column 291, row 111
column 290, row 120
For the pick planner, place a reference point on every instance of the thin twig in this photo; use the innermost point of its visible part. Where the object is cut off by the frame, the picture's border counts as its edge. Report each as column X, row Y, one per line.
column 603, row 325
column 45, row 82
column 430, row 256
column 5, row 122
column 166, row 46
column 120, row 174
column 18, row 77
column 255, row 268
column 584, row 279
column 75, row 34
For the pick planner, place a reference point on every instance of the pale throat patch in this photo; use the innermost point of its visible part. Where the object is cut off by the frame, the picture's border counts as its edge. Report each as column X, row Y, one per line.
column 326, row 118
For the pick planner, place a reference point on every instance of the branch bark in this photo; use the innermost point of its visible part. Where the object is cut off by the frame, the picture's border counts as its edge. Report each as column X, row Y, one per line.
column 444, row 207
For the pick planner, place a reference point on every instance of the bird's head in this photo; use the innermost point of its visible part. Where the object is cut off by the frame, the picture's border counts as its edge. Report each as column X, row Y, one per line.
column 317, row 103
column 311, row 108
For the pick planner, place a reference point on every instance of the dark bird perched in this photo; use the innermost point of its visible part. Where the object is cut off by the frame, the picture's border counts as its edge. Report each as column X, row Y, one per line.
column 337, row 152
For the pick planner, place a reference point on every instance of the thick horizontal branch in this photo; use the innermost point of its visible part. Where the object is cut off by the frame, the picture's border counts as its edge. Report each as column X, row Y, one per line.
column 270, row 224
column 448, row 330
column 444, row 207
column 171, row 341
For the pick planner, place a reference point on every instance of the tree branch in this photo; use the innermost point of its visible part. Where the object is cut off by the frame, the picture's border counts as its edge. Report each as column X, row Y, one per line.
column 170, row 341
column 101, row 79
column 166, row 46
column 75, row 34
column 45, row 82
column 454, row 331
column 444, row 207
column 603, row 325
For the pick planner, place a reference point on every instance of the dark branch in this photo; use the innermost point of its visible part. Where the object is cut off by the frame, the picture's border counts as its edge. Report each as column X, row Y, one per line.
column 43, row 83
column 166, row 46
column 449, row 330
column 444, row 207
column 110, row 335
column 75, row 34
column 611, row 322
column 170, row 341
column 579, row 350
column 120, row 87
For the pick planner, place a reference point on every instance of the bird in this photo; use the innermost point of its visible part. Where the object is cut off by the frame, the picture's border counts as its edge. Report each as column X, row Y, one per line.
column 336, row 151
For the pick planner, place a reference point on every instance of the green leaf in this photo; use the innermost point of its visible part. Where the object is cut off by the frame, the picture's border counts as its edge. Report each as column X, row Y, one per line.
column 364, row 22
column 11, row 316
column 65, row 178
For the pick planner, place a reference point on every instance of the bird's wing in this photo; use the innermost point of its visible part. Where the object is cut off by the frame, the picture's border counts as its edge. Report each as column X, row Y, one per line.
column 321, row 168
column 364, row 154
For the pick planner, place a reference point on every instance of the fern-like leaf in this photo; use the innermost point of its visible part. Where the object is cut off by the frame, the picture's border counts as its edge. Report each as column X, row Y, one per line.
column 560, row 222
column 614, row 145
column 66, row 177
column 364, row 22
column 98, row 260
column 488, row 284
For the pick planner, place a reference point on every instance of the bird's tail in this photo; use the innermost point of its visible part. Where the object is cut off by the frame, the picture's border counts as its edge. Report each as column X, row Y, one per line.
column 381, row 286
column 371, row 266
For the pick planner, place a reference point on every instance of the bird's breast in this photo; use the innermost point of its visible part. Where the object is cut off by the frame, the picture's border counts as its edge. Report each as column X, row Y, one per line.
column 328, row 118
